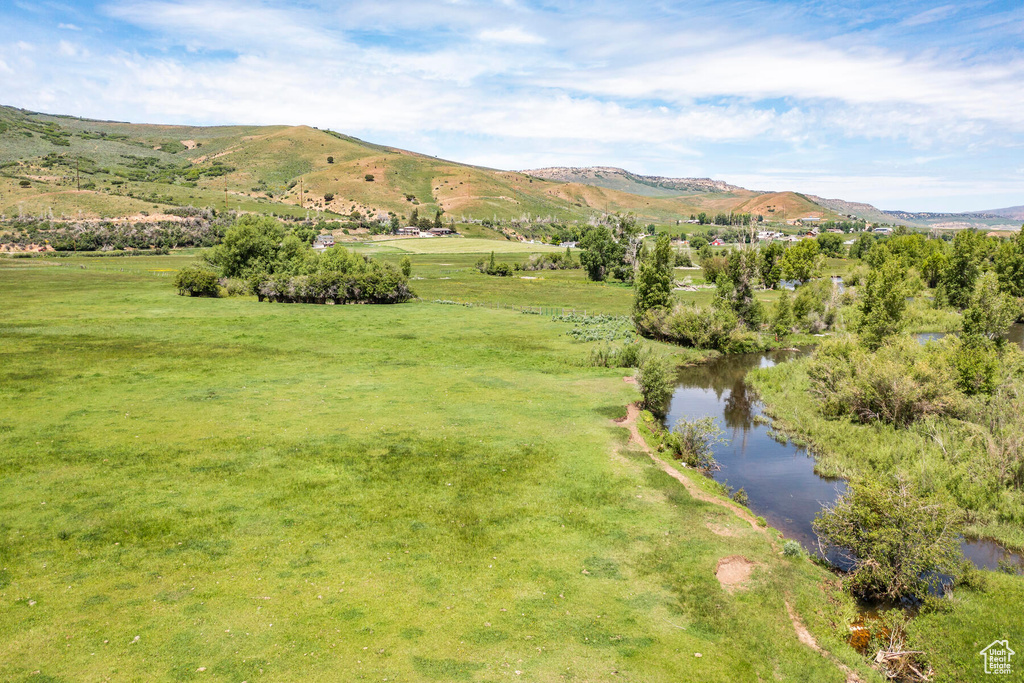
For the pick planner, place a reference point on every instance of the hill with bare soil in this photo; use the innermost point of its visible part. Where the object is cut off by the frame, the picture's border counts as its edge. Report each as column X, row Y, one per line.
column 64, row 166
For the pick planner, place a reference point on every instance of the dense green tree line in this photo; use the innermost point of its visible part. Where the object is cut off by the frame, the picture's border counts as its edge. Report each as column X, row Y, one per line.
column 952, row 268
column 197, row 231
column 281, row 266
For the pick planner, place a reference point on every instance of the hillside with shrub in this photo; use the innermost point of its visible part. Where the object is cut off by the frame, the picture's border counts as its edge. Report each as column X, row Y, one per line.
column 64, row 166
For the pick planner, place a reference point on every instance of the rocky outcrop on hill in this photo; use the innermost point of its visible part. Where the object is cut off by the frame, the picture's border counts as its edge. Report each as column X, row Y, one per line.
column 620, row 179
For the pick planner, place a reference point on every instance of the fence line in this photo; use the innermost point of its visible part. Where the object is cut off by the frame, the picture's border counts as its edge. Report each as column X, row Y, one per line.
column 522, row 308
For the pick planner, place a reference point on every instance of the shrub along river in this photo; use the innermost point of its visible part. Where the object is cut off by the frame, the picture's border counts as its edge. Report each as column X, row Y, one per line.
column 779, row 478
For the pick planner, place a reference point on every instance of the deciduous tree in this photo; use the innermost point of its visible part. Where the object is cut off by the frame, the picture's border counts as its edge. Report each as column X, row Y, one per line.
column 894, row 537
column 654, row 282
column 883, row 304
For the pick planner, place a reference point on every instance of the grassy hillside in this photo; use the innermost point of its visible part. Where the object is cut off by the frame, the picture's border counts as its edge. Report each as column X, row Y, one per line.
column 124, row 169
column 785, row 205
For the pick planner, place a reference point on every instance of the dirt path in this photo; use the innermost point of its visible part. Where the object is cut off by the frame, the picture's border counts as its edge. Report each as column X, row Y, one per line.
column 807, row 639
column 802, row 634
column 693, row 489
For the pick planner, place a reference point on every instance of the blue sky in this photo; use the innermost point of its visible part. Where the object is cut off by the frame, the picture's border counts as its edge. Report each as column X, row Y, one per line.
column 903, row 104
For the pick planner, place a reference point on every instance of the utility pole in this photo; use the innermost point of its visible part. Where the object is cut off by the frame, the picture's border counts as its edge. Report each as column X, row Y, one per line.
column 302, row 196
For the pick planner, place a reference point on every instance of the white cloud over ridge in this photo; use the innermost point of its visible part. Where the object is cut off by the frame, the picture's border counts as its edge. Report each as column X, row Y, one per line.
column 655, row 93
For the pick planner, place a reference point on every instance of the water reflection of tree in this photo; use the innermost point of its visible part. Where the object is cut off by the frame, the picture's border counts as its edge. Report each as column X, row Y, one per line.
column 725, row 377
column 738, row 409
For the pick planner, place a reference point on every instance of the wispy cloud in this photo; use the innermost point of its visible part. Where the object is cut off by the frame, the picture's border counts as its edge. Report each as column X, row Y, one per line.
column 512, row 35
column 226, row 24
column 705, row 88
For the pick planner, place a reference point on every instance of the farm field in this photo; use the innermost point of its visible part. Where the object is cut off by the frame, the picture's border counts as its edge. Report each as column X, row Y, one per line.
column 218, row 489
column 469, row 245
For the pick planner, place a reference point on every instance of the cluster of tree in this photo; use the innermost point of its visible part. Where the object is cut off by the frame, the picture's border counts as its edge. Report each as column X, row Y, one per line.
column 492, row 267
column 959, row 400
column 772, row 264
column 831, row 244
column 556, row 233
column 728, row 235
column 853, row 225
column 339, row 277
column 279, row 266
column 130, row 167
column 422, row 222
column 551, row 261
column 952, row 268
column 612, row 252
column 736, row 320
column 106, row 236
column 744, row 219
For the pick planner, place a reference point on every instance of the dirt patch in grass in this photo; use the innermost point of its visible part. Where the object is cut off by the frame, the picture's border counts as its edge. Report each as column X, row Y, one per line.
column 733, row 572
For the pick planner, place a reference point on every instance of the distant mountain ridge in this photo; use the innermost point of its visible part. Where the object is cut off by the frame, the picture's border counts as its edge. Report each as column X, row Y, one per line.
column 988, row 219
column 858, row 209
column 1012, row 212
column 620, row 179
column 930, row 215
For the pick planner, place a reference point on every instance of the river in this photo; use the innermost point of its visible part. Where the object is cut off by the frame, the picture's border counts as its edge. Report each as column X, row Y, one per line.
column 779, row 478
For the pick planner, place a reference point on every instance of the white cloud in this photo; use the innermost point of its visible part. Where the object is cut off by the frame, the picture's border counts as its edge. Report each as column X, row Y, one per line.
column 69, row 27
column 931, row 15
column 512, row 36
column 652, row 88
column 775, row 68
column 231, row 24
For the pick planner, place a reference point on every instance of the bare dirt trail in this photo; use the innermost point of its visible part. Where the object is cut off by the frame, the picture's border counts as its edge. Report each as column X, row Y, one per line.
column 802, row 634
column 629, row 422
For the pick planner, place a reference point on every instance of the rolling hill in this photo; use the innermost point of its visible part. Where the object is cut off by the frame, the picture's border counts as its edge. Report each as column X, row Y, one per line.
column 64, row 166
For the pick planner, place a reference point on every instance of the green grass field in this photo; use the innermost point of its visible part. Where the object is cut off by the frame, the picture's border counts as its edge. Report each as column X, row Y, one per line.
column 467, row 245
column 197, row 489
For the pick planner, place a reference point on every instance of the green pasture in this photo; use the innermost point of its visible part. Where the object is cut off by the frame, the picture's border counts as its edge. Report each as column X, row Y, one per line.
column 465, row 245
column 227, row 490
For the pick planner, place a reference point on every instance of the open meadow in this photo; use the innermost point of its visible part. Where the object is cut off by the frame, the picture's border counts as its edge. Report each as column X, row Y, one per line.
column 221, row 489
column 468, row 245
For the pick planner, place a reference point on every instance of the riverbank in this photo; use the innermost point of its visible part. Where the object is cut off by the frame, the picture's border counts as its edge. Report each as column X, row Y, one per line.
column 780, row 481
column 644, row 431
column 846, row 450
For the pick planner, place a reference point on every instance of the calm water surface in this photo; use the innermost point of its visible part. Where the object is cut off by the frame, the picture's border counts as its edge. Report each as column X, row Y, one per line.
column 779, row 479
column 1014, row 336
